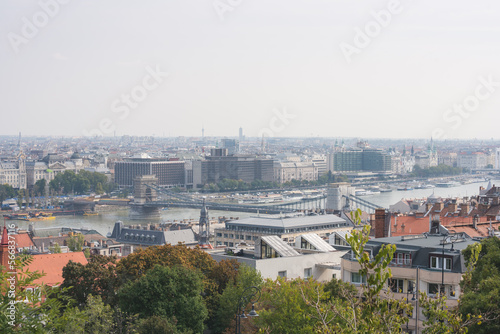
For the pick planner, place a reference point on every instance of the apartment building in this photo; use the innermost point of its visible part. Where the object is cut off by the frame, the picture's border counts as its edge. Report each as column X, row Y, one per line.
column 430, row 263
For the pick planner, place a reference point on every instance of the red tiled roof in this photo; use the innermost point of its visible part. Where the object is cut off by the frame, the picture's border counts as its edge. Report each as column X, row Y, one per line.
column 22, row 240
column 53, row 264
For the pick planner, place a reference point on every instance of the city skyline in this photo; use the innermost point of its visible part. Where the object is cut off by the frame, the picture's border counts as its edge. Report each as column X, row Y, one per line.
column 384, row 69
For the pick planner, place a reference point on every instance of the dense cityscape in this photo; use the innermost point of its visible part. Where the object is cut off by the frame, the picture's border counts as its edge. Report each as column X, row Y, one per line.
column 230, row 166
column 282, row 221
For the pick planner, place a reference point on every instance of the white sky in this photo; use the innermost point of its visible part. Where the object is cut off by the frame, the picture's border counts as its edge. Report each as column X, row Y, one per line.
column 266, row 55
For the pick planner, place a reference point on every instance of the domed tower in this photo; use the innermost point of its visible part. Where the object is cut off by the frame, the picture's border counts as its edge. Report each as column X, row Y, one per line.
column 204, row 227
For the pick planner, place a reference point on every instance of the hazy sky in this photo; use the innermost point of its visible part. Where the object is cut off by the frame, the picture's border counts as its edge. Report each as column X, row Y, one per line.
column 278, row 67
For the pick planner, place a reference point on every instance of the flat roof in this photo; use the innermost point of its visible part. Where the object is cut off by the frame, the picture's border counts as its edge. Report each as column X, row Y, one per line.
column 287, row 222
column 427, row 241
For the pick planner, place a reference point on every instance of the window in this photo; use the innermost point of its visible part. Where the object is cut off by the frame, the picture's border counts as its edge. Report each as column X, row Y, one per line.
column 308, row 272
column 282, row 274
column 395, row 284
column 433, row 289
column 356, row 278
column 249, row 237
column 437, row 262
column 219, row 234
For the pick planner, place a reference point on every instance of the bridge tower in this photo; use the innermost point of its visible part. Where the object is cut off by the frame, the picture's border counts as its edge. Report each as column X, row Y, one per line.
column 335, row 200
column 142, row 195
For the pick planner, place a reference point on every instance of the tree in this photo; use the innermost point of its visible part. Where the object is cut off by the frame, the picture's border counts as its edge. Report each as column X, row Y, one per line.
column 39, row 187
column 55, row 249
column 138, row 263
column 98, row 278
column 227, row 303
column 167, row 292
column 159, row 325
column 6, row 191
column 20, row 197
column 481, row 288
column 75, row 242
column 284, row 306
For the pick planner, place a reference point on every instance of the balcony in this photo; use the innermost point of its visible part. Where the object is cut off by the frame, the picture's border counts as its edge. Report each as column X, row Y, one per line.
column 400, row 263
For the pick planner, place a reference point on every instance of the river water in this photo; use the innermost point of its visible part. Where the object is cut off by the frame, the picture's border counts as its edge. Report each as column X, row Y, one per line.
column 105, row 221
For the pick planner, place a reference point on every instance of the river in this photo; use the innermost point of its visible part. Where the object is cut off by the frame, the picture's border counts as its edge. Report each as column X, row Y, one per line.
column 104, row 222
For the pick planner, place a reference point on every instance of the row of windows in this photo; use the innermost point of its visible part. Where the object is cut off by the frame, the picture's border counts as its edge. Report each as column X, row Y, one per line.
column 277, row 231
column 236, row 236
column 399, row 285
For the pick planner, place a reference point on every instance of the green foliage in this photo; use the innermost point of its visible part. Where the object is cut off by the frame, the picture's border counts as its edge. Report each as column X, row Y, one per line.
column 6, row 191
column 98, row 277
column 284, row 306
column 167, row 292
column 55, row 249
column 439, row 319
column 228, row 301
column 39, row 187
column 159, row 325
column 138, row 263
column 338, row 289
column 20, row 197
column 75, row 242
column 481, row 286
column 439, row 170
column 68, row 182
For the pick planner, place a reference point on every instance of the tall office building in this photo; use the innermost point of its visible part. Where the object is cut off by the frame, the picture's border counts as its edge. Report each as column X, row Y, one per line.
column 245, row 168
column 354, row 160
column 169, row 173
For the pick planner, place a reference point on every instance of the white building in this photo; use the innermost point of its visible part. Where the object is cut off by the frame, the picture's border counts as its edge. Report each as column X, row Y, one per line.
column 288, row 171
column 272, row 257
column 472, row 160
column 13, row 173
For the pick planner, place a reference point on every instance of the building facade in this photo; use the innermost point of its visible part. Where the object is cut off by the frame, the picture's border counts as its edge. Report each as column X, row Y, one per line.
column 288, row 171
column 430, row 263
column 245, row 168
column 358, row 159
column 169, row 173
column 248, row 230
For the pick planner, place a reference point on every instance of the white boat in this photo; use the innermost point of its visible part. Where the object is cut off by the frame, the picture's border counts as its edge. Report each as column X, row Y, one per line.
column 447, row 184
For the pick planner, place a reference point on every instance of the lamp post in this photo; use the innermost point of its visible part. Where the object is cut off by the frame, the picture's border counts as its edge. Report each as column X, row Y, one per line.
column 408, row 302
column 249, row 295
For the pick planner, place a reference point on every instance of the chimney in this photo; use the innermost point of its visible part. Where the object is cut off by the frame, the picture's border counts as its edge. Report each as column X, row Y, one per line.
column 464, row 208
column 380, row 225
column 453, row 206
column 440, row 206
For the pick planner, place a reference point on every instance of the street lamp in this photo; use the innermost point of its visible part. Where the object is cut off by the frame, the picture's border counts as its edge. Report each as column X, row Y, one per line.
column 249, row 295
column 408, row 301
